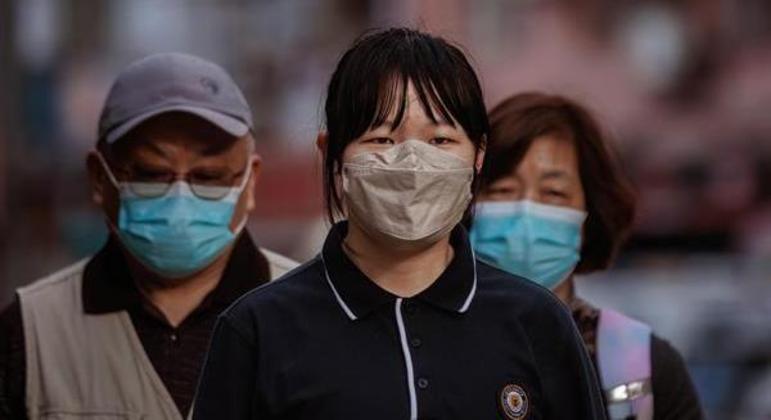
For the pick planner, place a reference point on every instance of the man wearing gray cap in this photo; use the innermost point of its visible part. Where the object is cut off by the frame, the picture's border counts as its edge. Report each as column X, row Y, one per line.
column 124, row 333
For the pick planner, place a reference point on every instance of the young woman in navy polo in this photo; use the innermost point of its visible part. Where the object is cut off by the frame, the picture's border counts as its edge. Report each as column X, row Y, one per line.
column 396, row 319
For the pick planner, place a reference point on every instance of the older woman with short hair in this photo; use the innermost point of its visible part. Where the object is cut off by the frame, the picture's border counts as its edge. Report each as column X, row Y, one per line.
column 555, row 203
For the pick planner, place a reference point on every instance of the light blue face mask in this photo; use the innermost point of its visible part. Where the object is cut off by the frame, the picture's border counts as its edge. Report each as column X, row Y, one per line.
column 176, row 234
column 537, row 241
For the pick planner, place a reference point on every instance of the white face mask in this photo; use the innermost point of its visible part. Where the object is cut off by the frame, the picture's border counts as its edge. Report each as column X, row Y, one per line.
column 411, row 194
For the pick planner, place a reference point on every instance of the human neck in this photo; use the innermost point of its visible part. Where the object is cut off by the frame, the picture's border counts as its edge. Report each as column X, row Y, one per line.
column 403, row 272
column 566, row 290
column 176, row 299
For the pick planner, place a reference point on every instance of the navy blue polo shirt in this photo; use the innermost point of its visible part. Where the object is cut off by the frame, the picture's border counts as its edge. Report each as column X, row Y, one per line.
column 325, row 342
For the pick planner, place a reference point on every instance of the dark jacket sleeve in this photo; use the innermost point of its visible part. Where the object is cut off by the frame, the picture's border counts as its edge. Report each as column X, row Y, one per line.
column 674, row 396
column 568, row 379
column 227, row 386
column 12, row 364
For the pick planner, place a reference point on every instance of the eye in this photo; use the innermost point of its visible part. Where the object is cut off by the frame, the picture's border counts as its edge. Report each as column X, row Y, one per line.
column 500, row 190
column 379, row 140
column 146, row 174
column 556, row 193
column 441, row 141
column 211, row 177
column 207, row 175
column 501, row 193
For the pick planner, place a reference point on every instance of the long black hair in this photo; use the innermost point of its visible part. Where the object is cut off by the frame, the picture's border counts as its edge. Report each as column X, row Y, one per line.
column 370, row 83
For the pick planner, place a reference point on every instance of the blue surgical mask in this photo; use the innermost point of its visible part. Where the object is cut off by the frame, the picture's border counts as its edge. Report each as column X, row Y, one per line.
column 178, row 233
column 536, row 241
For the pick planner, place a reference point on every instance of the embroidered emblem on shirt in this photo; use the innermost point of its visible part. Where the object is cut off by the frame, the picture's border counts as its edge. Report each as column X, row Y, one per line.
column 514, row 402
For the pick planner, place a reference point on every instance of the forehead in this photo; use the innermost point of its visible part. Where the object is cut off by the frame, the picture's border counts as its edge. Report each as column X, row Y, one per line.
column 401, row 104
column 177, row 133
column 418, row 111
column 551, row 152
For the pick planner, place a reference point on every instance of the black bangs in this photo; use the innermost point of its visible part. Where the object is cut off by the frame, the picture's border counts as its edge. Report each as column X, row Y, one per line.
column 370, row 84
column 369, row 89
column 391, row 99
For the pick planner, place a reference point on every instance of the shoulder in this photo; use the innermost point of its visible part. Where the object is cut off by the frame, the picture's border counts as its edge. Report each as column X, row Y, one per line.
column 51, row 287
column 279, row 264
column 10, row 320
column 521, row 303
column 65, row 274
column 45, row 294
column 673, row 390
column 666, row 361
column 518, row 295
column 495, row 280
column 289, row 290
column 12, row 362
column 11, row 329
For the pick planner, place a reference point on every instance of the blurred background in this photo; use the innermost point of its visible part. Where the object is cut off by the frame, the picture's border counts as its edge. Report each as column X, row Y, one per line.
column 684, row 86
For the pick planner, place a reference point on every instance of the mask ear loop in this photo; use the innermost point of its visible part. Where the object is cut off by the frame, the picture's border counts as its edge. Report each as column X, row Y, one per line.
column 240, row 228
column 107, row 169
column 247, row 175
column 240, row 189
column 115, row 183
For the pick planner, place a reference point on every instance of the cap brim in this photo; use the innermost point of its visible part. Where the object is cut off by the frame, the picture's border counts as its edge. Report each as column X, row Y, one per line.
column 227, row 123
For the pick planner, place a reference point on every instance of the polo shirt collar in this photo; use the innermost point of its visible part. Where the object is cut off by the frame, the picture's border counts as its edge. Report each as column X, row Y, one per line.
column 358, row 295
column 108, row 286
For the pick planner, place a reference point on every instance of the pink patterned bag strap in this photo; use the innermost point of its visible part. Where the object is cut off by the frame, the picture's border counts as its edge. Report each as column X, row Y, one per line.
column 624, row 359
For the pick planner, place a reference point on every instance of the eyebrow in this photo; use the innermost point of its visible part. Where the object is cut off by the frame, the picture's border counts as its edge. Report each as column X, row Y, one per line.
column 154, row 149
column 555, row 174
column 211, row 149
column 215, row 148
column 160, row 150
column 440, row 122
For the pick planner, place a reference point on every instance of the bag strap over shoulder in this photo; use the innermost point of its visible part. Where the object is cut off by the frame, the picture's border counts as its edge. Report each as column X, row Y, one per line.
column 624, row 363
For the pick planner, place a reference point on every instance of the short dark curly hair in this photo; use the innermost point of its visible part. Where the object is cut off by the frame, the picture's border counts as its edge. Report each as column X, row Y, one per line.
column 610, row 200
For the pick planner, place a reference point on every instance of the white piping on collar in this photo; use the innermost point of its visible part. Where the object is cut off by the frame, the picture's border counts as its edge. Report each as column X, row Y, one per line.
column 353, row 316
column 473, row 291
column 340, row 300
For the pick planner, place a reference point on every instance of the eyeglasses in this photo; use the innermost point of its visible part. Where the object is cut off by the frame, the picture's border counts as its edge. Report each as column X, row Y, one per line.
column 159, row 189
column 154, row 185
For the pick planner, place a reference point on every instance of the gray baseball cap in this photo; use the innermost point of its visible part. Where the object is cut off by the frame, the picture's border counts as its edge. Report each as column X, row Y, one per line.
column 168, row 82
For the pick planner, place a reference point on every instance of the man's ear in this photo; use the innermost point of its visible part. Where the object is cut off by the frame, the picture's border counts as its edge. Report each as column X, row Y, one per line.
column 256, row 163
column 321, row 142
column 103, row 192
column 97, row 178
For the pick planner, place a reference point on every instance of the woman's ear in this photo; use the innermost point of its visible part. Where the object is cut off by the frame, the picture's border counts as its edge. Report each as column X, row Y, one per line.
column 480, row 156
column 321, row 142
